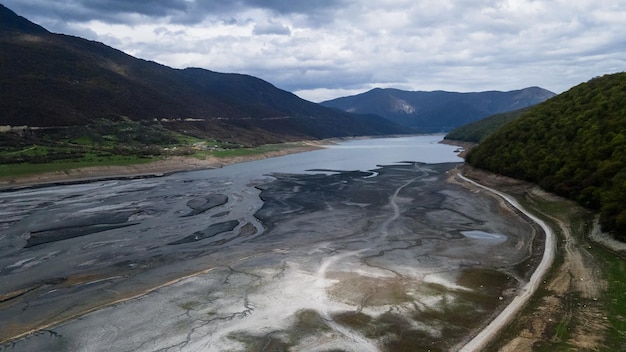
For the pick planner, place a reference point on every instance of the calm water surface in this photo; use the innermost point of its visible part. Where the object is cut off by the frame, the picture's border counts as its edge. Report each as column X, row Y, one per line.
column 364, row 155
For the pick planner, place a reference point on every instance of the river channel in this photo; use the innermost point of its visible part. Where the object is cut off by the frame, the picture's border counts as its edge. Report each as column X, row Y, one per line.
column 362, row 246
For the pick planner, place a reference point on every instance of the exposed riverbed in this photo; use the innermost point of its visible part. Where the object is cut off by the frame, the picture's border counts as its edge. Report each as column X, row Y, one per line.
column 263, row 256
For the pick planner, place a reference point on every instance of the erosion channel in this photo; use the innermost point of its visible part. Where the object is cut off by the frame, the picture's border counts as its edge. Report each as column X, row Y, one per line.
column 386, row 258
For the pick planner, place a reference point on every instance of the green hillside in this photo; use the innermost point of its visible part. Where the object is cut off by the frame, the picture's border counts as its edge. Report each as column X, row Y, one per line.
column 479, row 130
column 573, row 145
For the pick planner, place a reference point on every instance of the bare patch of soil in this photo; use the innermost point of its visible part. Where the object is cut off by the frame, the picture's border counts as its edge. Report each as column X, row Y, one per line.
column 576, row 287
column 569, row 312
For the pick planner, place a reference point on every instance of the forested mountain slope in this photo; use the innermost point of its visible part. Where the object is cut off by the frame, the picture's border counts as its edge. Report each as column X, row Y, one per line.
column 481, row 129
column 573, row 145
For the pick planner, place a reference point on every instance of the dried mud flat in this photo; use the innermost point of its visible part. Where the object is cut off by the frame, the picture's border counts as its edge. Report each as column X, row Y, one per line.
column 391, row 260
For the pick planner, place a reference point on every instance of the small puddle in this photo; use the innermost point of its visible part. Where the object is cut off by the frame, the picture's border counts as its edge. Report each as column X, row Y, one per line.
column 482, row 235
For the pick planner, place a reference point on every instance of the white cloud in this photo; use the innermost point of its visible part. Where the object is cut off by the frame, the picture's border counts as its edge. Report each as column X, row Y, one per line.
column 271, row 28
column 325, row 49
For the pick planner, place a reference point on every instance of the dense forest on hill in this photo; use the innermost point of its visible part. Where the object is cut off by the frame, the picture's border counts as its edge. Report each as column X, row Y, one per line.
column 573, row 145
column 477, row 131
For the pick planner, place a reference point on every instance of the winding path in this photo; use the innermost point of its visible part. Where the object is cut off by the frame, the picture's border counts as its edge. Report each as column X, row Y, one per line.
column 490, row 331
column 396, row 210
column 358, row 341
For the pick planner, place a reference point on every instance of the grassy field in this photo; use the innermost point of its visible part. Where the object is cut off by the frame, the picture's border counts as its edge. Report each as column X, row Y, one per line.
column 234, row 152
column 110, row 143
column 614, row 268
column 24, row 169
column 83, row 152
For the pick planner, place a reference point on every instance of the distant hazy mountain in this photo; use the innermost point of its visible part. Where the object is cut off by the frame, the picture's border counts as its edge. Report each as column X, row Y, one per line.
column 51, row 79
column 573, row 144
column 437, row 111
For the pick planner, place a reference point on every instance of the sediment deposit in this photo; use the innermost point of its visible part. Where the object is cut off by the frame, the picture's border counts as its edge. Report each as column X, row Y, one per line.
column 329, row 260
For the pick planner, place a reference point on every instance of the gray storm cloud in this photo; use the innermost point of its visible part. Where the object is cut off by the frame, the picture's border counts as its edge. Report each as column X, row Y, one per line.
column 325, row 49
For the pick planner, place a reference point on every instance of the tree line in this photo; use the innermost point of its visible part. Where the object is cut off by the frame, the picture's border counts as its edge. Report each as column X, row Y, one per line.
column 573, row 145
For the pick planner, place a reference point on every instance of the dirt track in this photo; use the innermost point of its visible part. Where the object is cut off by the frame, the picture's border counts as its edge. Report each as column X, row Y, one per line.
column 579, row 275
column 572, row 289
column 485, row 336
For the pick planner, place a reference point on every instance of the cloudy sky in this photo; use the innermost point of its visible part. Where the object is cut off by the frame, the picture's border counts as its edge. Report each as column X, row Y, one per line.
column 329, row 48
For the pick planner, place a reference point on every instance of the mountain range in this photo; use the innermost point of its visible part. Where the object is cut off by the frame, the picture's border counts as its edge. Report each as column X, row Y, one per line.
column 49, row 79
column 437, row 111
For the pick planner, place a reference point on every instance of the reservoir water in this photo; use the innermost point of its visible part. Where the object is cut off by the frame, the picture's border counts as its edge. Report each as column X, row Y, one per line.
column 374, row 249
column 363, row 155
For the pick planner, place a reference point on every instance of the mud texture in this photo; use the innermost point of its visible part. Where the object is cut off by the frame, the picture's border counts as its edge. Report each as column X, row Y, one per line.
column 389, row 260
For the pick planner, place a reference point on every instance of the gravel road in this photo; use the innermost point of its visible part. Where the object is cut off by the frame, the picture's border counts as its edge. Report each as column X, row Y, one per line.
column 494, row 327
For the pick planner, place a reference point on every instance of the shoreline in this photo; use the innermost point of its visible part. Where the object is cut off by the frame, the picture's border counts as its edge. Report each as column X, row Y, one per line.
column 157, row 168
